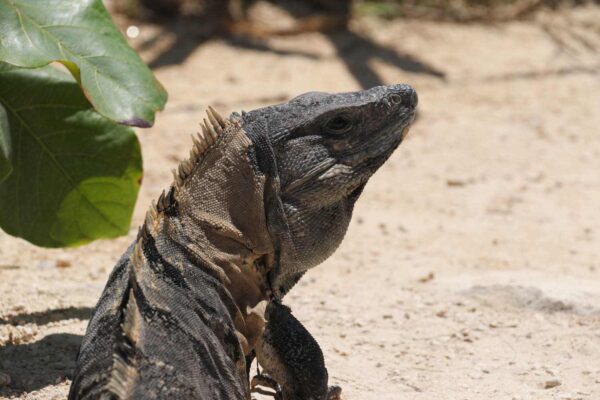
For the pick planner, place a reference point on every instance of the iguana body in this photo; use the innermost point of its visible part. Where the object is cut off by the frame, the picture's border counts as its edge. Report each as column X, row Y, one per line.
column 264, row 197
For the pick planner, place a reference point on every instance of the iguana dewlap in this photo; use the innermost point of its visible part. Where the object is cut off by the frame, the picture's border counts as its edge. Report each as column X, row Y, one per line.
column 263, row 197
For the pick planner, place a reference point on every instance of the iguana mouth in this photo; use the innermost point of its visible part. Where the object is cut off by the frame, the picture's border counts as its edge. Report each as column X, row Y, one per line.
column 366, row 155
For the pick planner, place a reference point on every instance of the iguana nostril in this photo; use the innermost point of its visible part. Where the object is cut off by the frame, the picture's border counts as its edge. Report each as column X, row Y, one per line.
column 405, row 96
column 395, row 98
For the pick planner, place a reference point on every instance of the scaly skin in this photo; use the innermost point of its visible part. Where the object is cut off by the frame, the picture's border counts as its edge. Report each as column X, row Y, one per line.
column 292, row 359
column 265, row 196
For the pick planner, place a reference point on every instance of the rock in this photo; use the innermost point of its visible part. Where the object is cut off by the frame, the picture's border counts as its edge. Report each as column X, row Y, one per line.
column 552, row 384
column 63, row 263
column 427, row 278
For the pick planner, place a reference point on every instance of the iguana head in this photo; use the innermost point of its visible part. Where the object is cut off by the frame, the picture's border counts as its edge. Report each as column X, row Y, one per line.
column 319, row 150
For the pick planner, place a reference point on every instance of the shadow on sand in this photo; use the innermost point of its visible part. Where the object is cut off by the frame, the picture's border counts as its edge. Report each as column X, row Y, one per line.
column 355, row 50
column 51, row 360
column 33, row 366
column 48, row 316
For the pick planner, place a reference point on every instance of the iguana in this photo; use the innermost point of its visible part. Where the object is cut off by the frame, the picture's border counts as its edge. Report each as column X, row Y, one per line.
column 264, row 196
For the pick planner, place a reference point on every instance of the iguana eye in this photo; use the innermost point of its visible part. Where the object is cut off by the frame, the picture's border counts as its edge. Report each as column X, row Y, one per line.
column 338, row 125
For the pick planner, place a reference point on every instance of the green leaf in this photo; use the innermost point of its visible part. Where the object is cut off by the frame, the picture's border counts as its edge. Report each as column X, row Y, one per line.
column 75, row 173
column 5, row 165
column 81, row 35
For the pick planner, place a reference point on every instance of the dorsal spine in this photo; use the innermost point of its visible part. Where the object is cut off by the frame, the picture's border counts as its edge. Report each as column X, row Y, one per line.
column 211, row 129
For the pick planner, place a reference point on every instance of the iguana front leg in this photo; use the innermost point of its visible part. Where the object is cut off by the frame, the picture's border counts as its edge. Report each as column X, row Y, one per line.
column 291, row 359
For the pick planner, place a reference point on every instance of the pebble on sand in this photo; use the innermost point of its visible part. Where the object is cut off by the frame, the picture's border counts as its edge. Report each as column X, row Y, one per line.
column 551, row 384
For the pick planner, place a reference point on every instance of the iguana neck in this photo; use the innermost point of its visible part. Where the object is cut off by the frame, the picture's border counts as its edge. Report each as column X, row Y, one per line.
column 214, row 216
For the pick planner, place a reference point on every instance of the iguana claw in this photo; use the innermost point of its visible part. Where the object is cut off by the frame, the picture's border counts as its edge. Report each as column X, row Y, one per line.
column 334, row 393
column 262, row 379
column 266, row 381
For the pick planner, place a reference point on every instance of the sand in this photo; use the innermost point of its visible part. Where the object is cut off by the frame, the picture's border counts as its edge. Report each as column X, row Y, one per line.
column 471, row 269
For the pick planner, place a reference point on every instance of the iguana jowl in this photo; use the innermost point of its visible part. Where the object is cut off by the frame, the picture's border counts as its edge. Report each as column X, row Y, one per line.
column 264, row 196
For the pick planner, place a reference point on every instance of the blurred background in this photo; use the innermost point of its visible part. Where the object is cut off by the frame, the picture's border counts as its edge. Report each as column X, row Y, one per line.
column 472, row 266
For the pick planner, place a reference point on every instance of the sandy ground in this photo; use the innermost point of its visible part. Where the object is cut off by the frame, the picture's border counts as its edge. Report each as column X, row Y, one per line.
column 471, row 269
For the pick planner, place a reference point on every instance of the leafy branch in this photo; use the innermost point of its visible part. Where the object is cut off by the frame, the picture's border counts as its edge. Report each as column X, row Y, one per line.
column 69, row 170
